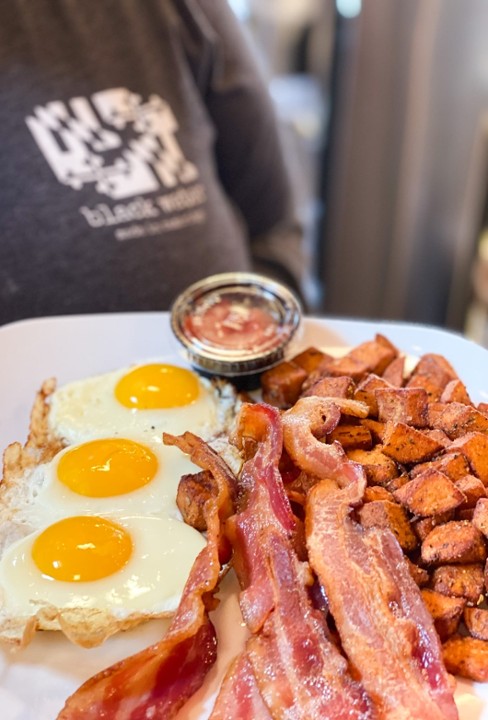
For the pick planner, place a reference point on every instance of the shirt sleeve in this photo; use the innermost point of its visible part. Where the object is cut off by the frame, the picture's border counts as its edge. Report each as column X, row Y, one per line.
column 248, row 150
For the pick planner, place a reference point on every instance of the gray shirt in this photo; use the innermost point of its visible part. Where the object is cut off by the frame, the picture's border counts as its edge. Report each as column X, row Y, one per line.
column 139, row 153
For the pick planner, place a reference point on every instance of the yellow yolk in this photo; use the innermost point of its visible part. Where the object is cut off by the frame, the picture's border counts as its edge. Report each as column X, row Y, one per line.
column 82, row 548
column 157, row 386
column 107, row 467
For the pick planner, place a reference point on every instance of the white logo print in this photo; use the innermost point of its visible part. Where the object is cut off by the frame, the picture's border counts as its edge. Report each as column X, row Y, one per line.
column 82, row 142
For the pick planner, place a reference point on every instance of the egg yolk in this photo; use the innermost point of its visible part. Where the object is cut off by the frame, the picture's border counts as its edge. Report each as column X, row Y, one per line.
column 82, row 549
column 157, row 386
column 107, row 467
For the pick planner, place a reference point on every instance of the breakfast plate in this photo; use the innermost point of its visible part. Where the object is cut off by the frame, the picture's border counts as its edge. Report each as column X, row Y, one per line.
column 35, row 682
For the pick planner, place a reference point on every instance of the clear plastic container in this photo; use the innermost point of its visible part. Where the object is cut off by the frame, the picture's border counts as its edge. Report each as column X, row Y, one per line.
column 235, row 324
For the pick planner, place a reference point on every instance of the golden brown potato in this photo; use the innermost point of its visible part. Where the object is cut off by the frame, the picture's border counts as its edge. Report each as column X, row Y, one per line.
column 379, row 468
column 193, row 492
column 408, row 445
column 476, row 621
column 338, row 387
column 377, row 492
column 446, row 611
column 352, row 436
column 472, row 488
column 436, row 368
column 453, row 464
column 456, row 419
column 282, row 384
column 433, row 390
column 466, row 657
column 474, row 447
column 419, row 574
column 311, row 359
column 423, row 526
column 394, row 373
column 480, row 516
column 366, row 392
column 405, row 405
column 455, row 391
column 375, row 354
column 430, row 493
column 457, row 541
column 385, row 514
column 466, row 581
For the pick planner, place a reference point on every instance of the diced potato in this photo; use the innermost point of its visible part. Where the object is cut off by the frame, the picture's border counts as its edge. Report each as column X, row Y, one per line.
column 452, row 464
column 423, row 526
column 419, row 574
column 377, row 492
column 466, row 581
column 456, row 419
column 457, row 541
column 375, row 427
column 282, row 384
column 366, row 392
column 311, row 359
column 466, row 657
column 455, row 391
column 352, row 436
column 433, row 390
column 405, row 405
column 446, row 611
column 385, row 514
column 407, row 445
column 338, row 387
column 430, row 493
column 379, row 468
column 436, row 368
column 476, row 621
column 193, row 492
column 395, row 372
column 348, row 366
column 375, row 354
column 480, row 516
column 474, row 447
column 472, row 488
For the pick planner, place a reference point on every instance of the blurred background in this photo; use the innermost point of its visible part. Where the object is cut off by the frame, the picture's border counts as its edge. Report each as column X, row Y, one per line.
column 383, row 108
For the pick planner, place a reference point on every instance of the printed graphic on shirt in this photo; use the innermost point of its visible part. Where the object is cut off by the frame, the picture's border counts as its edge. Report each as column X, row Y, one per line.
column 124, row 148
column 74, row 141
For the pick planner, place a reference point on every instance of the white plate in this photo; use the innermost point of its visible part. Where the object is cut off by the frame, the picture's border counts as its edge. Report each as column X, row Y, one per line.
column 35, row 682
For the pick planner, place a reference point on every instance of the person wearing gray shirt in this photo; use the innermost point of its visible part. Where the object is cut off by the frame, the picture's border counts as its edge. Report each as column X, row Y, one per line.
column 139, row 153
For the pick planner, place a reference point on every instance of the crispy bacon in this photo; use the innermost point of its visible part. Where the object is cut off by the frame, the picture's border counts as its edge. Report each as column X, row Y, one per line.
column 239, row 696
column 298, row 670
column 384, row 627
column 157, row 681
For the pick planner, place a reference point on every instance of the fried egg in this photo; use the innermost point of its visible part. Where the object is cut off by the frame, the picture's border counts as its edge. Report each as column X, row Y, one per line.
column 121, row 567
column 92, row 541
column 105, row 475
column 143, row 401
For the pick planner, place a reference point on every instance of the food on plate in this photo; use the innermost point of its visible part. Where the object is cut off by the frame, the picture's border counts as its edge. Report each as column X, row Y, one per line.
column 91, row 538
column 424, row 449
column 143, row 401
column 294, row 662
column 158, row 681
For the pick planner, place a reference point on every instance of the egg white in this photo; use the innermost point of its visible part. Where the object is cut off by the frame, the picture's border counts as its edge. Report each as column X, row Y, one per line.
column 88, row 409
column 151, row 582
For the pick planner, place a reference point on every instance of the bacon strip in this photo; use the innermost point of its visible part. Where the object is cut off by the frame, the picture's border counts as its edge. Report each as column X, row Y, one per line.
column 239, row 696
column 298, row 670
column 385, row 629
column 157, row 681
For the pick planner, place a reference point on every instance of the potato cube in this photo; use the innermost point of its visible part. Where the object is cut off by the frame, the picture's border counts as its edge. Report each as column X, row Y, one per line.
column 408, row 445
column 480, row 516
column 465, row 581
column 466, row 657
column 311, row 360
column 405, row 405
column 452, row 464
column 457, row 541
column 366, row 392
column 282, row 384
column 446, row 611
column 379, row 468
column 394, row 373
column 338, row 387
column 352, row 436
column 474, row 447
column 455, row 391
column 476, row 621
column 385, row 514
column 430, row 493
column 456, row 419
